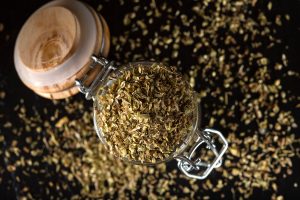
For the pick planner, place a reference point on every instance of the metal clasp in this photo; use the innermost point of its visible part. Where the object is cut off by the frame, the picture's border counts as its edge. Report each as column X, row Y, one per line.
column 107, row 67
column 197, row 168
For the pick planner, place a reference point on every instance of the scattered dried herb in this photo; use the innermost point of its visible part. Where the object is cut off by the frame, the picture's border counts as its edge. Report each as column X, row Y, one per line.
column 240, row 64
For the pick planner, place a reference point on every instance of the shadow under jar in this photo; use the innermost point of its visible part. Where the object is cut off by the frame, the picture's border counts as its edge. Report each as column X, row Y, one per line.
column 144, row 112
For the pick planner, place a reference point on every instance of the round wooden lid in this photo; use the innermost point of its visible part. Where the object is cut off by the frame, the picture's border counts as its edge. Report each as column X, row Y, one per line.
column 55, row 45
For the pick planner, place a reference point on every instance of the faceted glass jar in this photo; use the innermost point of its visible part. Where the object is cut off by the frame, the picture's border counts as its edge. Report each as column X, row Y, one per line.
column 187, row 137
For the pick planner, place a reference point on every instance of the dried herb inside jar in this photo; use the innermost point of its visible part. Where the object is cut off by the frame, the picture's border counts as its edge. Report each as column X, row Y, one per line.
column 146, row 113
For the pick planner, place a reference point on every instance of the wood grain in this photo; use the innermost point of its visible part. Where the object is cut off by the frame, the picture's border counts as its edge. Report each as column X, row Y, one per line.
column 50, row 38
column 47, row 43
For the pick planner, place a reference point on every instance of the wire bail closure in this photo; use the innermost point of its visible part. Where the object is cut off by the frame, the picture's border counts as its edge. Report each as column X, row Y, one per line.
column 187, row 165
column 107, row 67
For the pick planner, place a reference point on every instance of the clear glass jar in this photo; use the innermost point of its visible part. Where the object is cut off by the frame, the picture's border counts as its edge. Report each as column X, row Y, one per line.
column 186, row 152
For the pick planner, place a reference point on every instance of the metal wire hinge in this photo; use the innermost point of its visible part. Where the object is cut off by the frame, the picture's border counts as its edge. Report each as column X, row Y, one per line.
column 107, row 67
column 197, row 168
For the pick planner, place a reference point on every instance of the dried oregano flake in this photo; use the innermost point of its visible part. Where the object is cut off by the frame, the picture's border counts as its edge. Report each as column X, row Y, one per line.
column 146, row 113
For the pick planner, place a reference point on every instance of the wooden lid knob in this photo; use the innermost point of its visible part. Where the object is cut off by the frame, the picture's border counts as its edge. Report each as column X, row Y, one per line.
column 55, row 44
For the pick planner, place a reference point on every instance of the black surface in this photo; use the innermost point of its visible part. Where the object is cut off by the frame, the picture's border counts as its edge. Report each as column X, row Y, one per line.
column 14, row 13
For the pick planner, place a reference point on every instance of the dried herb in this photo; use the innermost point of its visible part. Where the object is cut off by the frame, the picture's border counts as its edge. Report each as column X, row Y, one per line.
column 49, row 149
column 146, row 113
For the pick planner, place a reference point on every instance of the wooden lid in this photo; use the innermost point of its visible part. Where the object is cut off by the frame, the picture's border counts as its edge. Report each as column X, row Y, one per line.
column 55, row 44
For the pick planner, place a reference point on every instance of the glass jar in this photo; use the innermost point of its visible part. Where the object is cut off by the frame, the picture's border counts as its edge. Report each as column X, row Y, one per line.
column 186, row 152
column 64, row 36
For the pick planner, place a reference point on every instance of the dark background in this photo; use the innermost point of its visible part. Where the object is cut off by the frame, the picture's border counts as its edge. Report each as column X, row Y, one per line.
column 14, row 13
